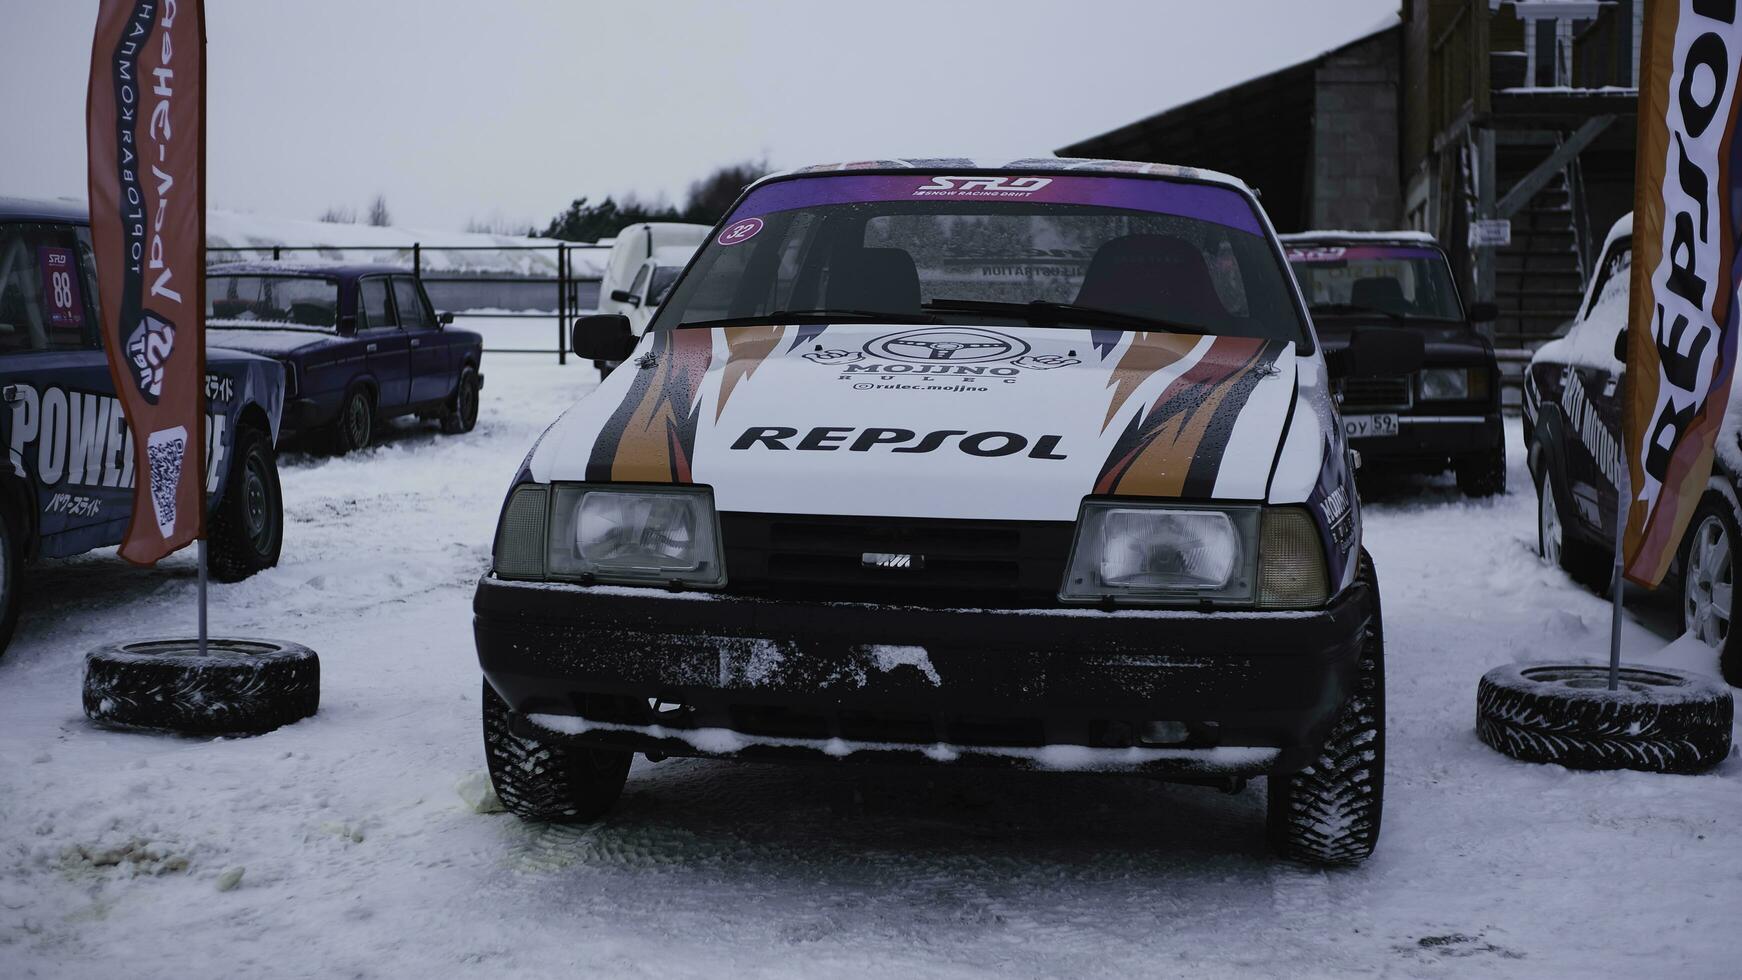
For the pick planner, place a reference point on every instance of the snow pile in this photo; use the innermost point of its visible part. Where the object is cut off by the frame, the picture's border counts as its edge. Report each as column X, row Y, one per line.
column 362, row 244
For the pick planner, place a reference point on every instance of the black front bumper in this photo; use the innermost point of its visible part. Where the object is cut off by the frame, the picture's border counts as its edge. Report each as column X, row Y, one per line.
column 1243, row 693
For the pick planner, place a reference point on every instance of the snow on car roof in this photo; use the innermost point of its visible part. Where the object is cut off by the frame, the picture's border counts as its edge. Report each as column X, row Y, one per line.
column 26, row 209
column 1622, row 228
column 1046, row 164
column 292, row 267
column 1405, row 235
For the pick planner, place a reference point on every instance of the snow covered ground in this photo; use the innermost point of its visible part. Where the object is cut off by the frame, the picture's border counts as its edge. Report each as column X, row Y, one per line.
column 359, row 858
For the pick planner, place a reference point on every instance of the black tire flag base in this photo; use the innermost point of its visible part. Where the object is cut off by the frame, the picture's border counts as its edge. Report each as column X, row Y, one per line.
column 237, row 687
column 1659, row 720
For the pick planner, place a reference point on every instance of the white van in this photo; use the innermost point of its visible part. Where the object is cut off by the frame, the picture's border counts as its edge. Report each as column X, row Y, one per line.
column 644, row 261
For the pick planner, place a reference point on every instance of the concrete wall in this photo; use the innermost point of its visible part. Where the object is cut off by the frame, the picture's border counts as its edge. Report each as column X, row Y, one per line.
column 1355, row 182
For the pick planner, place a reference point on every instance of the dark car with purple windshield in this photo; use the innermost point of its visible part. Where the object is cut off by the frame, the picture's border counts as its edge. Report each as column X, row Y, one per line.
column 360, row 345
column 1447, row 414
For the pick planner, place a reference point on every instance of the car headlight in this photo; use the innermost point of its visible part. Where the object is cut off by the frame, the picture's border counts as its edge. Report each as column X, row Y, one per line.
column 1165, row 554
column 520, row 534
column 631, row 535
column 1160, row 554
column 1292, row 573
column 1444, row 384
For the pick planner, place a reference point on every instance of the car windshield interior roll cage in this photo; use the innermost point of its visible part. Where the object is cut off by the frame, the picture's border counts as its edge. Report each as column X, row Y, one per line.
column 799, row 260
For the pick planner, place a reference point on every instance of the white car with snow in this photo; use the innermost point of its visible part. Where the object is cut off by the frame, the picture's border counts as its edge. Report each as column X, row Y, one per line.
column 1032, row 464
column 1572, row 432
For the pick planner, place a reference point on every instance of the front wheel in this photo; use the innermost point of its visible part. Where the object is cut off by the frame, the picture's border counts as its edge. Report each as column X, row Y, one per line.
column 247, row 528
column 543, row 780
column 1557, row 545
column 462, row 413
column 1482, row 474
column 1328, row 813
column 1709, row 582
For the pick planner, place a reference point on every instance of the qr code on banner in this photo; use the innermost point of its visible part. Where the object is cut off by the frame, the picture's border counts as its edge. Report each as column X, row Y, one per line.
column 165, row 450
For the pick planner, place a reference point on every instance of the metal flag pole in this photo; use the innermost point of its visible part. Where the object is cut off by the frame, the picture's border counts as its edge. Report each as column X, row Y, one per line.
column 1615, row 610
column 202, row 552
column 1622, row 505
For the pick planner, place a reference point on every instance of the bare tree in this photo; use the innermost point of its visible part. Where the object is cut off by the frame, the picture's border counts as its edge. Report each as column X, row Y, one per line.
column 378, row 215
column 339, row 214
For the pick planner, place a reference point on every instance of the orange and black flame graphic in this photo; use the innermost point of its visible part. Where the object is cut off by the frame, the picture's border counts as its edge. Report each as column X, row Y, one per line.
column 651, row 437
column 746, row 347
column 1175, row 449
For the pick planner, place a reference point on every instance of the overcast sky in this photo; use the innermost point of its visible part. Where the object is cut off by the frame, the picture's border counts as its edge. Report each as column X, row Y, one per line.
column 509, row 109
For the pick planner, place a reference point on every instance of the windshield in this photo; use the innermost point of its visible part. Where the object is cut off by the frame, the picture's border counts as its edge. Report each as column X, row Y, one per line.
column 1396, row 280
column 46, row 297
column 272, row 301
column 1066, row 251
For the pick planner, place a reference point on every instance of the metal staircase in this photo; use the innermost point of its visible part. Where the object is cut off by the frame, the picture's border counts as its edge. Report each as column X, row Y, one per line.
column 1540, row 278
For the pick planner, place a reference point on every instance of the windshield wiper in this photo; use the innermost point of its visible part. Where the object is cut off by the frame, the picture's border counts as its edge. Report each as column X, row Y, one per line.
column 1352, row 308
column 812, row 316
column 1041, row 312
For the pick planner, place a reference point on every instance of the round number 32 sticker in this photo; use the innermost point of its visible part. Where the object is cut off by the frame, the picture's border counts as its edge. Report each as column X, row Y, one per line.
column 739, row 232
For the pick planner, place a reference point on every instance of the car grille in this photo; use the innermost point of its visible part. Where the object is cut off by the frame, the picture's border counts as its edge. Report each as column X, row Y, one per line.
column 1365, row 393
column 927, row 562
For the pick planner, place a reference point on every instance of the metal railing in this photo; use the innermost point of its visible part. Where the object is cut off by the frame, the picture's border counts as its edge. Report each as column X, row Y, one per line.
column 571, row 290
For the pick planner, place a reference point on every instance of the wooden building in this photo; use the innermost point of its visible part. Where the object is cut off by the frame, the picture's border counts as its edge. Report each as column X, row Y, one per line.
column 1460, row 117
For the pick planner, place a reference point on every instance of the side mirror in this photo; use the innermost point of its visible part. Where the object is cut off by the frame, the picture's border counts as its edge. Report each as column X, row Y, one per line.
column 1621, row 346
column 1380, row 352
column 444, row 319
column 625, row 296
column 1484, row 312
column 347, row 326
column 603, row 337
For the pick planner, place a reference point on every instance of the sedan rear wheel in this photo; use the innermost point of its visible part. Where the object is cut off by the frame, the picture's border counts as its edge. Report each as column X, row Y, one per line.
column 355, row 426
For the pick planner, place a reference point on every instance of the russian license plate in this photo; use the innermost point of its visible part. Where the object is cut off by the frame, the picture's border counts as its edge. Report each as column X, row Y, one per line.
column 1362, row 426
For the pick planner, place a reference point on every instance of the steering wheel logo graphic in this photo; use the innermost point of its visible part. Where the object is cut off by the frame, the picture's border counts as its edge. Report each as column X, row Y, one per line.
column 954, row 346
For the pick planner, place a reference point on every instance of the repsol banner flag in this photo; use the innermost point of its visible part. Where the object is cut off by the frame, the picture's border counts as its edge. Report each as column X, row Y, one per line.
column 146, row 136
column 1682, row 328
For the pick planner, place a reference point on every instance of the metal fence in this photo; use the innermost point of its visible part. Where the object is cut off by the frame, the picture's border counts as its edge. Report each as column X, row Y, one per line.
column 557, row 298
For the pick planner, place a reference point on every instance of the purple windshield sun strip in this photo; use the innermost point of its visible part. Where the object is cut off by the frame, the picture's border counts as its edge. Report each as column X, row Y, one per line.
column 1205, row 202
column 1314, row 253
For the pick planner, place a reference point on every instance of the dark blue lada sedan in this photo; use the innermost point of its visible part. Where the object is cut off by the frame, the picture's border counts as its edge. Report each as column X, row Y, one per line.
column 360, row 344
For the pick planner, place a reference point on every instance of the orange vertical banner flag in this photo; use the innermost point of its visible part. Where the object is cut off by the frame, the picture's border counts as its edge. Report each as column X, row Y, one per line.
column 145, row 121
column 1682, row 327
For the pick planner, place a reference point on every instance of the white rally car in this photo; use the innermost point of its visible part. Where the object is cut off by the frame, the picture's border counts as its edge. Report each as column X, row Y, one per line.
column 1030, row 464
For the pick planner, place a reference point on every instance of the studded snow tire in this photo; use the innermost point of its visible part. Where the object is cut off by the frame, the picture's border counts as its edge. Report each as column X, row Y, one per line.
column 1660, row 720
column 1328, row 813
column 544, row 780
column 239, row 687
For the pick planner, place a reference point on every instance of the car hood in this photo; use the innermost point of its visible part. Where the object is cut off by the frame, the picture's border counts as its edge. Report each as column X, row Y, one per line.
column 265, row 340
column 1010, row 423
